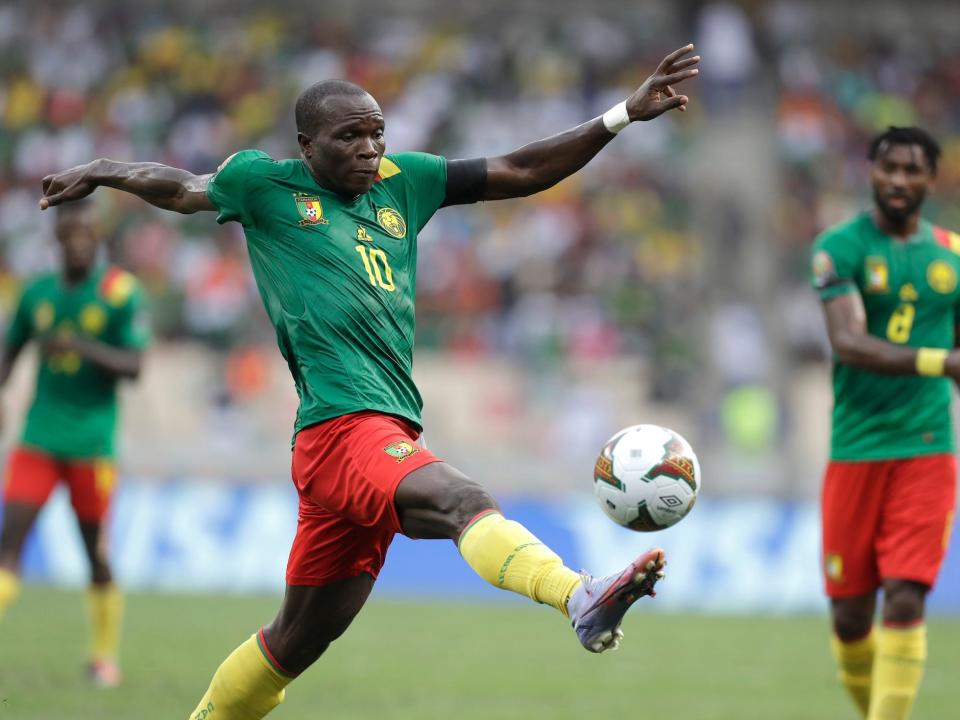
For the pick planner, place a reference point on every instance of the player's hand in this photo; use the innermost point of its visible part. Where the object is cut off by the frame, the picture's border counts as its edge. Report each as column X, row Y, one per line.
column 57, row 343
column 67, row 185
column 951, row 368
column 657, row 95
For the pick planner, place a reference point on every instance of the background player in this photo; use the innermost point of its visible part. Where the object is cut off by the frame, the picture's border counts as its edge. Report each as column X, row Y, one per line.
column 89, row 323
column 332, row 241
column 888, row 282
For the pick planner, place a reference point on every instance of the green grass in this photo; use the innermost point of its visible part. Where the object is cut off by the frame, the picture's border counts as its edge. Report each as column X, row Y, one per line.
column 432, row 661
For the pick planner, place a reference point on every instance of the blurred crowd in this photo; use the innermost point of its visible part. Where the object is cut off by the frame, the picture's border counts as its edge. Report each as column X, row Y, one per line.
column 610, row 263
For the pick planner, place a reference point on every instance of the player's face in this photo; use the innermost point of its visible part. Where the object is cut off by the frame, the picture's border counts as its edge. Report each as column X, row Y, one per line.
column 76, row 232
column 901, row 178
column 345, row 152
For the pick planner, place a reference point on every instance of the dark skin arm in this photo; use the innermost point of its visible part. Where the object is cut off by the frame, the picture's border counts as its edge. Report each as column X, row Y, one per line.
column 542, row 164
column 853, row 345
column 122, row 362
column 166, row 187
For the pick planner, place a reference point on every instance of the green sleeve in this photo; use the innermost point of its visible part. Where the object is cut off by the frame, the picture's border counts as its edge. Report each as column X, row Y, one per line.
column 231, row 186
column 21, row 325
column 427, row 175
column 133, row 322
column 836, row 262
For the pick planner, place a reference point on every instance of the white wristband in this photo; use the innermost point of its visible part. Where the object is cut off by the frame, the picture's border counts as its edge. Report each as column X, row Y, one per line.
column 616, row 119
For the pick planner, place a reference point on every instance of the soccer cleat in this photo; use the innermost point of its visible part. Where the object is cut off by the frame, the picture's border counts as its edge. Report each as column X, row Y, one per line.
column 104, row 673
column 597, row 607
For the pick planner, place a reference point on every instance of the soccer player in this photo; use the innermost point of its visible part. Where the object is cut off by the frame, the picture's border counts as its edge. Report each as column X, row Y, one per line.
column 888, row 282
column 332, row 241
column 90, row 326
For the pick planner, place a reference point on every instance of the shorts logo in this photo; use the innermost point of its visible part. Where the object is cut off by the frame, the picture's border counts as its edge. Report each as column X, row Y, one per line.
column 310, row 209
column 833, row 566
column 877, row 275
column 401, row 450
column 391, row 221
column 941, row 277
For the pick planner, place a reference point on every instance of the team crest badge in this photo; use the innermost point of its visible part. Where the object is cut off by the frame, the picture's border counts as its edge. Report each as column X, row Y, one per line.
column 877, row 275
column 310, row 209
column 833, row 567
column 43, row 316
column 941, row 277
column 391, row 221
column 823, row 270
column 401, row 450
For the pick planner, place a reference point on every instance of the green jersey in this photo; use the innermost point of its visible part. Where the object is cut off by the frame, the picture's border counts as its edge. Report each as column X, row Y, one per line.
column 74, row 410
column 337, row 275
column 911, row 297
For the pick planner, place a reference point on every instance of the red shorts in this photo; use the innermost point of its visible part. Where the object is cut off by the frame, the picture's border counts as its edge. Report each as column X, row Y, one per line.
column 886, row 519
column 347, row 471
column 33, row 474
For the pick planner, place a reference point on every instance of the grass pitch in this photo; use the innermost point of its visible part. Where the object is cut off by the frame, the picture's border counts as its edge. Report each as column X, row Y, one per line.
column 433, row 661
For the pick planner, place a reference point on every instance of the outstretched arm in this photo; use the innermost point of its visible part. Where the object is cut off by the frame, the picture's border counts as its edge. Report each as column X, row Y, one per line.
column 166, row 187
column 853, row 345
column 122, row 362
column 544, row 163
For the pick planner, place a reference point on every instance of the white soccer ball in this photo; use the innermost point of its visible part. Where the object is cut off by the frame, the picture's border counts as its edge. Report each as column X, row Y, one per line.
column 647, row 478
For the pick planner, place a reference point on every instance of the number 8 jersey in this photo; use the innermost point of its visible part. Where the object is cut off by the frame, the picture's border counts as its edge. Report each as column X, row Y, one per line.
column 911, row 295
column 337, row 275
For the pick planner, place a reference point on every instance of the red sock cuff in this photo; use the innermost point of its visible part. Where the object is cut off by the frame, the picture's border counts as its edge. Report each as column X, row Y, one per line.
column 473, row 521
column 278, row 668
column 910, row 625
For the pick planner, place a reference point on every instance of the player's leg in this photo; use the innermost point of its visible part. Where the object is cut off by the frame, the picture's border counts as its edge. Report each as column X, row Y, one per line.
column 438, row 501
column 345, row 524
column 91, row 486
column 31, row 477
column 911, row 543
column 850, row 505
column 252, row 680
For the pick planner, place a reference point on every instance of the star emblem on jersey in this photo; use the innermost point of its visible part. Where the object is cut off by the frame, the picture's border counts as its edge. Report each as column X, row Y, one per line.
column 391, row 221
column 401, row 450
column 941, row 277
column 310, row 209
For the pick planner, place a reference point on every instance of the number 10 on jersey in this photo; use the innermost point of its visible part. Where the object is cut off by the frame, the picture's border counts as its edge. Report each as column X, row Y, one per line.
column 372, row 260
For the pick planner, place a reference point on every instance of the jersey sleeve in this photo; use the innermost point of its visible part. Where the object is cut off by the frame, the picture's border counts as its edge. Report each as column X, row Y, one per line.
column 232, row 184
column 427, row 175
column 835, row 261
column 21, row 325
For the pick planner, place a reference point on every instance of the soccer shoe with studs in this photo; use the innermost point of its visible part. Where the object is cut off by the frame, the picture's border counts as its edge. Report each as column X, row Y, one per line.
column 597, row 607
column 104, row 673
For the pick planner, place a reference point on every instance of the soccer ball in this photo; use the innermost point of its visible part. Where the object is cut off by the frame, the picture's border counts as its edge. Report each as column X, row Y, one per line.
column 646, row 478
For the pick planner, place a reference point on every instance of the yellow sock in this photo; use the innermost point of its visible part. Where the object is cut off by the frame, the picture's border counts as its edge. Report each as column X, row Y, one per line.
column 855, row 660
column 246, row 686
column 9, row 589
column 897, row 671
column 507, row 555
column 105, row 605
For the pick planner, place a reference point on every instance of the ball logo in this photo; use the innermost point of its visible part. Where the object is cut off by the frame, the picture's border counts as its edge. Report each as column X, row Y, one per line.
column 391, row 221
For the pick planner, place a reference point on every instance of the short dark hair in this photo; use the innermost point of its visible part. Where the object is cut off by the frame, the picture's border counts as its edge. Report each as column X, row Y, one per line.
column 309, row 111
column 906, row 136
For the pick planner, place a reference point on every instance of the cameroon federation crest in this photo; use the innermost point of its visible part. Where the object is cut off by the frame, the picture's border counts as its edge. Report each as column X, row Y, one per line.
column 877, row 275
column 391, row 221
column 401, row 450
column 310, row 209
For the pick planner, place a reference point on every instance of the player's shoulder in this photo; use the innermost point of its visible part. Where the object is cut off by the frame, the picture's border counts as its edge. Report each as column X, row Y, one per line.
column 946, row 238
column 254, row 162
column 40, row 285
column 406, row 165
column 117, row 286
column 851, row 230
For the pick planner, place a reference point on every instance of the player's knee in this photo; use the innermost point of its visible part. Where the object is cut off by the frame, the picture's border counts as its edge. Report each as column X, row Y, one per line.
column 467, row 500
column 851, row 620
column 903, row 602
